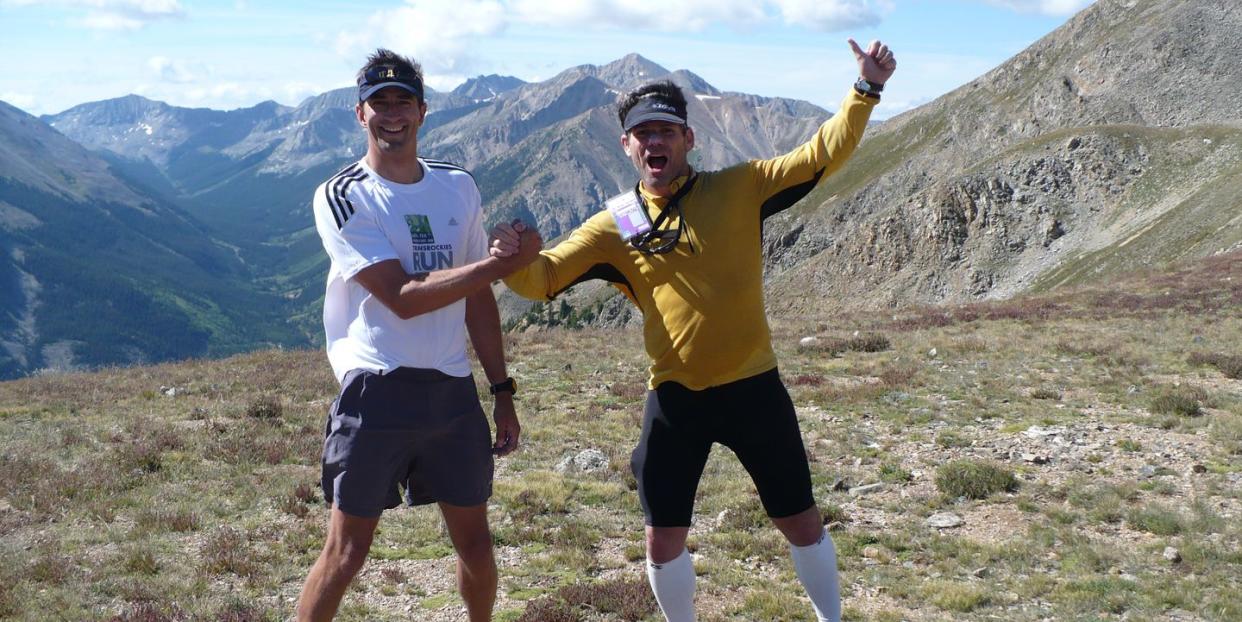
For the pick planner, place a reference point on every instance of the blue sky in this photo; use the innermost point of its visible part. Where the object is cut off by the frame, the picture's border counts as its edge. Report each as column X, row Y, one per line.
column 226, row 54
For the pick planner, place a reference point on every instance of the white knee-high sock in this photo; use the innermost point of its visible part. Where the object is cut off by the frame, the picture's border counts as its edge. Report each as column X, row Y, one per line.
column 673, row 585
column 817, row 570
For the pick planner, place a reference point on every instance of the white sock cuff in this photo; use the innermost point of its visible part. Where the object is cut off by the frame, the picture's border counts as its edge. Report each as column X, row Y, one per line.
column 672, row 564
column 823, row 537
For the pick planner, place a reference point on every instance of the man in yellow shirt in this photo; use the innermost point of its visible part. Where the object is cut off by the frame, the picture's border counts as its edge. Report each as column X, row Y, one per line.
column 686, row 247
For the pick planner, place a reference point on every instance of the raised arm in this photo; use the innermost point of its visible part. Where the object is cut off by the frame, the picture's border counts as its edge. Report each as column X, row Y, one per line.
column 784, row 180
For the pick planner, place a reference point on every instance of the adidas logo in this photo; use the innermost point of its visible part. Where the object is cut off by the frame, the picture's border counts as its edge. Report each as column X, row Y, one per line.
column 452, row 222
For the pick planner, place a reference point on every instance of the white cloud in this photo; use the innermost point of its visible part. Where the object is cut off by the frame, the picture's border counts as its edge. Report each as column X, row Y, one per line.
column 168, row 70
column 112, row 14
column 642, row 15
column 435, row 33
column 1046, row 7
column 833, row 16
column 698, row 15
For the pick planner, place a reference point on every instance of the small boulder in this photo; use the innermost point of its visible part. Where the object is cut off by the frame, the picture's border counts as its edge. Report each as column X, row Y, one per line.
column 858, row 491
column 586, row 461
column 944, row 520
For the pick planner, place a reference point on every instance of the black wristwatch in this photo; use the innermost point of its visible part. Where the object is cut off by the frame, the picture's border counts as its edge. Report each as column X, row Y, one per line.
column 868, row 88
column 508, row 385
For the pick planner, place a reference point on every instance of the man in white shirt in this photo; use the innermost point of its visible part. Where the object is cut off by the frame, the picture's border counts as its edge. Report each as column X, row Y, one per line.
column 410, row 278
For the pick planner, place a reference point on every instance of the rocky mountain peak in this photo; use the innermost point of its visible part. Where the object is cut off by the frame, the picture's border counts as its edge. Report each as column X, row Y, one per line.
column 486, row 88
column 629, row 71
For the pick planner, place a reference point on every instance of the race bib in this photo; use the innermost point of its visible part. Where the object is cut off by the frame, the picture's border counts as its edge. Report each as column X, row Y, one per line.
column 629, row 215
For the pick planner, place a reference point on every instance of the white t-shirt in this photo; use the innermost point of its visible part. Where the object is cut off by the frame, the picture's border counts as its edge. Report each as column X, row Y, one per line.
column 431, row 225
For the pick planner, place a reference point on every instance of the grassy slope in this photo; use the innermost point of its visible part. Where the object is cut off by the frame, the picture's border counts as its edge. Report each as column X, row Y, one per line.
column 121, row 502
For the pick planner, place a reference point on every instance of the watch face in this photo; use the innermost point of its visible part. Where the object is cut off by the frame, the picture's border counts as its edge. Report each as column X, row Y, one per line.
column 868, row 87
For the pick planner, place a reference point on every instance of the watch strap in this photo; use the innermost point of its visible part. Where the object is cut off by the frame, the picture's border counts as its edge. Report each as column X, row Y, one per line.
column 868, row 88
column 508, row 385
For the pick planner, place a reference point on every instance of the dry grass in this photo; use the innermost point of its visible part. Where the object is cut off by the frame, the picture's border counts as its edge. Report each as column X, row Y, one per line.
column 1111, row 415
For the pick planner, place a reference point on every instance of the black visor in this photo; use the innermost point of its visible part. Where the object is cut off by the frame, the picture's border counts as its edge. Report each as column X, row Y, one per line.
column 652, row 107
column 383, row 76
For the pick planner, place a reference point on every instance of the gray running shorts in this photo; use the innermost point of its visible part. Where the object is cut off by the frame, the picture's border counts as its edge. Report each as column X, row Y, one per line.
column 414, row 429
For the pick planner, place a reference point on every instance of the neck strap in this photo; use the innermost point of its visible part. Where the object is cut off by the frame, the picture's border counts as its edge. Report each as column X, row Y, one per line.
column 672, row 202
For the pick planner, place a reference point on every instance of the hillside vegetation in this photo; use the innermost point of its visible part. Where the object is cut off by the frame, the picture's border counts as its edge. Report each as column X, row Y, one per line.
column 1075, row 455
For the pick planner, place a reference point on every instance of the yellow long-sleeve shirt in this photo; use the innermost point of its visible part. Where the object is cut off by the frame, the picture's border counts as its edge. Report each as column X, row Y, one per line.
column 704, row 322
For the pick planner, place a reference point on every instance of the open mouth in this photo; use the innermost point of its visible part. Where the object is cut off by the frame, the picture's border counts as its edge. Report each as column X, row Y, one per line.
column 392, row 130
column 657, row 162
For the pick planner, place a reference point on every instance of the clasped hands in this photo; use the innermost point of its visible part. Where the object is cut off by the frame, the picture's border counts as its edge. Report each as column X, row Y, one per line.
column 515, row 242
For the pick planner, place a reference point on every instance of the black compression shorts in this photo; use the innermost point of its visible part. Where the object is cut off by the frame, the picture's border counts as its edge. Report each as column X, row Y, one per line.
column 754, row 417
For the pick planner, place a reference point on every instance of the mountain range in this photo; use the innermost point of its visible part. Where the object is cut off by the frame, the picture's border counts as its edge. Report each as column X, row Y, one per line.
column 99, row 270
column 233, row 189
column 1111, row 144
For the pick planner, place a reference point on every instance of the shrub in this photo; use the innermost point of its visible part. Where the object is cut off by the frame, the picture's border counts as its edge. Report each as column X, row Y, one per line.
column 893, row 473
column 1227, row 431
column 769, row 605
column 178, row 520
column 833, row 514
column 52, row 568
column 149, row 612
column 872, row 342
column 1156, row 519
column 949, row 438
column 628, row 390
column 140, row 561
column 952, row 596
column 291, row 504
column 1184, row 401
column 1229, row 364
column 226, row 550
column 549, row 609
column 898, row 375
column 746, row 517
column 139, row 456
column 237, row 611
column 393, row 575
column 631, row 600
column 974, row 479
column 1044, row 393
column 264, row 407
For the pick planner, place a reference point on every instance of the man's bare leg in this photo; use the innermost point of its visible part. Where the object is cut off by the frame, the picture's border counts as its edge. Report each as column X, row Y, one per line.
column 344, row 553
column 476, row 565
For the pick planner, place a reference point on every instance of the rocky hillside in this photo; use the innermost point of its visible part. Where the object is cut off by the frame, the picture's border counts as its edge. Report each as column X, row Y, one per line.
column 1113, row 143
